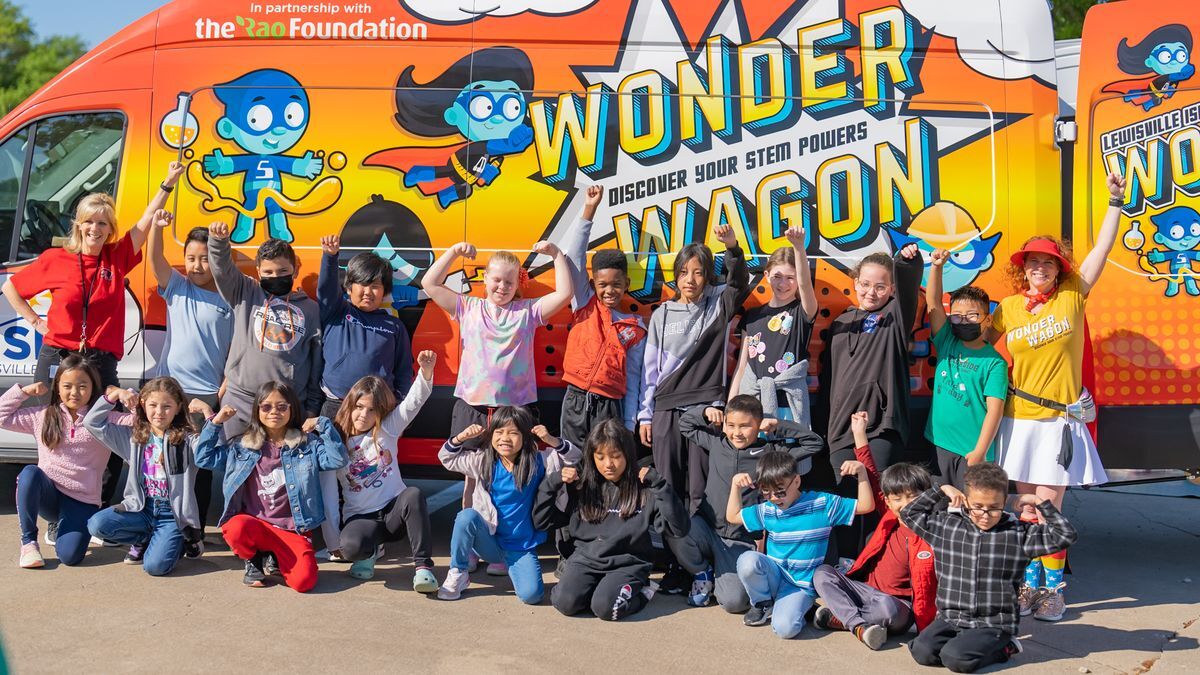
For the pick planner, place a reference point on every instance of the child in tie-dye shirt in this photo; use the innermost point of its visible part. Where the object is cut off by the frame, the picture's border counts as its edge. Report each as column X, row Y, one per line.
column 496, row 365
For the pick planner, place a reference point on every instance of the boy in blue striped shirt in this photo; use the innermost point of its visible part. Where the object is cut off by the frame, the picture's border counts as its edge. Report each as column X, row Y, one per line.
column 798, row 525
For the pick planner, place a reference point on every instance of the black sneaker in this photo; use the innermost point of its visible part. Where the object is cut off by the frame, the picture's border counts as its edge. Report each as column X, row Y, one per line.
column 270, row 565
column 1012, row 648
column 759, row 614
column 254, row 573
column 675, row 581
column 193, row 549
column 136, row 554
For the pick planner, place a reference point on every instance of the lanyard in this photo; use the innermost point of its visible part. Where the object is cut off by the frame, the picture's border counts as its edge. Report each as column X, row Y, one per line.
column 87, row 285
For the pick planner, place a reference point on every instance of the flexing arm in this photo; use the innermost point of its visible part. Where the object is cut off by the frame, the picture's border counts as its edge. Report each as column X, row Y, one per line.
column 434, row 281
column 1052, row 535
column 142, row 229
column 1093, row 265
column 154, row 249
column 549, row 304
column 925, row 514
column 115, row 436
column 672, row 517
column 733, row 507
column 15, row 418
column 546, row 513
column 693, row 425
column 457, row 459
column 933, row 291
column 804, row 281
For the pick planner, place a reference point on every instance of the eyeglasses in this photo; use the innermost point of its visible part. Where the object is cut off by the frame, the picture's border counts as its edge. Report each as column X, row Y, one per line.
column 864, row 286
column 969, row 317
column 278, row 407
column 774, row 494
column 483, row 105
column 980, row 513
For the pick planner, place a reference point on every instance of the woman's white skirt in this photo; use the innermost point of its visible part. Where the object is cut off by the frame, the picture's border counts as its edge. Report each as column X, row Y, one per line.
column 1029, row 451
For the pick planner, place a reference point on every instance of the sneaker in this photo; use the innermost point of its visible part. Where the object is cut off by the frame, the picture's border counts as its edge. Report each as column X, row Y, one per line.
column 1012, row 648
column 649, row 590
column 456, row 582
column 497, row 570
column 270, row 566
column 472, row 562
column 871, row 635
column 1028, row 599
column 424, row 581
column 363, row 569
column 825, row 620
column 702, row 589
column 135, row 555
column 559, row 567
column 336, row 556
column 1051, row 607
column 193, row 549
column 621, row 604
column 675, row 581
column 759, row 614
column 51, row 534
column 31, row 556
column 97, row 541
column 254, row 577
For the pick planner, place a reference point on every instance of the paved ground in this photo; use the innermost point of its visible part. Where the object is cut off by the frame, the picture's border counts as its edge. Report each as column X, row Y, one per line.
column 1135, row 600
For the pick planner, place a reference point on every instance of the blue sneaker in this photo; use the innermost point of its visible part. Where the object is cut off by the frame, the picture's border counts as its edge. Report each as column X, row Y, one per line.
column 702, row 589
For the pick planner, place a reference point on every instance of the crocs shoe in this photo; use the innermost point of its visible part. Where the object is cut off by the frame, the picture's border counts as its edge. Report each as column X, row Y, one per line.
column 363, row 569
column 424, row 581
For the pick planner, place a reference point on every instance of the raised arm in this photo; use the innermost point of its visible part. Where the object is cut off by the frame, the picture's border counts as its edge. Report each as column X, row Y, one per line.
column 735, row 383
column 434, row 281
column 142, row 229
column 403, row 415
column 804, row 282
column 550, row 303
column 933, row 291
column 862, row 452
column 1093, row 265
column 330, row 299
column 737, row 275
column 909, row 268
column 231, row 283
column 574, row 247
column 154, row 249
column 456, row 458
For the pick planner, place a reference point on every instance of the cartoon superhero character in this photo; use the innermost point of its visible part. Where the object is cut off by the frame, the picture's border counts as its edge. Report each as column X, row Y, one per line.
column 266, row 113
column 1179, row 232
column 1162, row 62
column 398, row 236
column 947, row 225
column 482, row 98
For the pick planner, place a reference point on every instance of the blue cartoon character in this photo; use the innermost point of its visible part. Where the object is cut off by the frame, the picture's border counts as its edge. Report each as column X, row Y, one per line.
column 947, row 225
column 1179, row 233
column 266, row 114
column 1161, row 61
column 481, row 98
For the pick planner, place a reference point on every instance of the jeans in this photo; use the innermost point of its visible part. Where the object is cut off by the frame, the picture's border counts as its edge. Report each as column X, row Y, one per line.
column 524, row 568
column 765, row 580
column 153, row 527
column 37, row 495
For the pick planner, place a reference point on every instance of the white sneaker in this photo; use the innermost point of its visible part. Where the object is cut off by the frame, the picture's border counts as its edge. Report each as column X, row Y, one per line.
column 456, row 582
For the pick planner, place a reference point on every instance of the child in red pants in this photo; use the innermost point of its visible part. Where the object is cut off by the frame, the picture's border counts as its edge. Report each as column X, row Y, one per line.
column 272, row 483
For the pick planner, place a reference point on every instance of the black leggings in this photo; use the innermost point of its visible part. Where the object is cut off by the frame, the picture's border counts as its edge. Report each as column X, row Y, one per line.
column 581, row 588
column 960, row 650
column 106, row 363
column 407, row 514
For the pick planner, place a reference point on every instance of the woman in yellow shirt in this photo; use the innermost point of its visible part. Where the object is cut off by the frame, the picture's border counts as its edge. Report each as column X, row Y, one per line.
column 1042, row 446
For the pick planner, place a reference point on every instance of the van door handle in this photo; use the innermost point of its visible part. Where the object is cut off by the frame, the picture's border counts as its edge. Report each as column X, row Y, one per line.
column 108, row 169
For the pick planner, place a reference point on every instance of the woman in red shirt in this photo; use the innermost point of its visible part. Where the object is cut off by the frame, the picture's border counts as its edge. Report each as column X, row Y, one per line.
column 86, row 281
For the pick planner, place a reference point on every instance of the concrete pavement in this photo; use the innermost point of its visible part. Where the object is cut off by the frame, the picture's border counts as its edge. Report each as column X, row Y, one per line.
column 1134, row 601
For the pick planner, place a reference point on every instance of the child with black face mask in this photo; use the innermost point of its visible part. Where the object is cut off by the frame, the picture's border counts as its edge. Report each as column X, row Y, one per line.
column 970, row 379
column 276, row 330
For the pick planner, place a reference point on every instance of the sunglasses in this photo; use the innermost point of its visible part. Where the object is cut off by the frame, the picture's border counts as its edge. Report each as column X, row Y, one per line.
column 774, row 494
column 278, row 407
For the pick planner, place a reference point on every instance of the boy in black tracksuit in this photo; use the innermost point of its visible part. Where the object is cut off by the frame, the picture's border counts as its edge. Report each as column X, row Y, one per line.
column 711, row 549
column 609, row 570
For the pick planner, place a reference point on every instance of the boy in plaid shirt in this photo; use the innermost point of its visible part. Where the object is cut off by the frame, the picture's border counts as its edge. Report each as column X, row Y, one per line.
column 977, row 613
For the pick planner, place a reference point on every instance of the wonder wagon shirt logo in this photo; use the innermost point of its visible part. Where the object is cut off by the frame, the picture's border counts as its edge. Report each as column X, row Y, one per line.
column 1041, row 332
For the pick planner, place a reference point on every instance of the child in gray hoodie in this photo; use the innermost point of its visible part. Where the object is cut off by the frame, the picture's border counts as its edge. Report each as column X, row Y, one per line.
column 276, row 332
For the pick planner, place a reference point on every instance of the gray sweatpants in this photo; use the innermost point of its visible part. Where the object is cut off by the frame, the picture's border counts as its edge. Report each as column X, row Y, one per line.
column 703, row 548
column 855, row 603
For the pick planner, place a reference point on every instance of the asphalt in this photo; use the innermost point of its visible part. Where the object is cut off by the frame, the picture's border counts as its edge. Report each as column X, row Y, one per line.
column 1134, row 601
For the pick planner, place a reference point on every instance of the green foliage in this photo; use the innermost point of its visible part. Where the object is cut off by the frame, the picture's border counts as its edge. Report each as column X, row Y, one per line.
column 26, row 63
column 1068, row 18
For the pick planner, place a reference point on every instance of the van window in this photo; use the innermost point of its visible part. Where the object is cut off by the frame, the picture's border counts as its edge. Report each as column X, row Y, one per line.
column 12, row 169
column 73, row 155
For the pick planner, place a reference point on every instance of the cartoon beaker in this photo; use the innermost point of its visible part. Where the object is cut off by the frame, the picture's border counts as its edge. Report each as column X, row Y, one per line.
column 179, row 127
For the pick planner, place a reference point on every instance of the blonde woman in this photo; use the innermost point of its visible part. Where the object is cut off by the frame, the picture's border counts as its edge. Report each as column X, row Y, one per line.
column 86, row 280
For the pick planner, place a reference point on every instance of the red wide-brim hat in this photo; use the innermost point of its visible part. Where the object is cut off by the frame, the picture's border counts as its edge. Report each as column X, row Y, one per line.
column 1041, row 246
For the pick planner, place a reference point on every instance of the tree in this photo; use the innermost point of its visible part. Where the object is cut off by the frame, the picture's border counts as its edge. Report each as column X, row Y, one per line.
column 26, row 63
column 1068, row 17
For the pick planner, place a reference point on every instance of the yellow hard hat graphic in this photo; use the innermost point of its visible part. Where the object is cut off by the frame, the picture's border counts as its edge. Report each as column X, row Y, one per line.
column 943, row 225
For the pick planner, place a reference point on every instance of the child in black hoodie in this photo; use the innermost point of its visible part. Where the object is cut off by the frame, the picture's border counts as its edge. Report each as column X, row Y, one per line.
column 610, row 509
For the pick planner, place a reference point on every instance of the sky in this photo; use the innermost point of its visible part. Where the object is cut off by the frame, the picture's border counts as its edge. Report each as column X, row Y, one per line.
column 92, row 20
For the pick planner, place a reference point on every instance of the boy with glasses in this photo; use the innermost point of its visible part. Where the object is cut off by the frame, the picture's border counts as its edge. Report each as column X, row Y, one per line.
column 970, row 379
column 797, row 525
column 981, row 554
